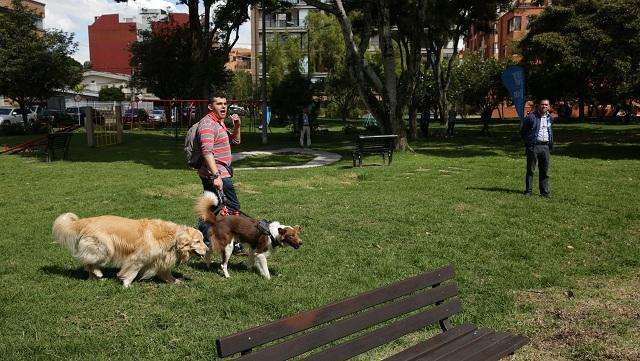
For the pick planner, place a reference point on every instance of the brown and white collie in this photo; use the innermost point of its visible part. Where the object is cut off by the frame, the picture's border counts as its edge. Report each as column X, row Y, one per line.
column 225, row 230
column 145, row 247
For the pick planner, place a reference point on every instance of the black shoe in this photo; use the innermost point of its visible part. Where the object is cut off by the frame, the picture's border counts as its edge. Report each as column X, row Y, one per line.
column 546, row 195
column 527, row 194
column 237, row 248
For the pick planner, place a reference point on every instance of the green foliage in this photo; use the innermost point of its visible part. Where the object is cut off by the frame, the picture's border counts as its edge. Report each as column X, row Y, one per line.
column 476, row 81
column 588, row 50
column 111, row 94
column 290, row 95
column 325, row 35
column 164, row 65
column 34, row 63
column 242, row 87
column 284, row 56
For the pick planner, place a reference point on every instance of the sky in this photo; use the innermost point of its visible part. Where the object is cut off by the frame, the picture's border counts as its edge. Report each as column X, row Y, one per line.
column 74, row 16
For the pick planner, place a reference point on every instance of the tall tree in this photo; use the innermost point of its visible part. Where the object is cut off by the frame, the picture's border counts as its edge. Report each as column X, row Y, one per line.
column 401, row 28
column 583, row 50
column 476, row 82
column 35, row 63
column 168, row 47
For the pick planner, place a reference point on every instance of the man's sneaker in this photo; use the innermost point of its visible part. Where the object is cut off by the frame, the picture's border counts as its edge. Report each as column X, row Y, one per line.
column 237, row 248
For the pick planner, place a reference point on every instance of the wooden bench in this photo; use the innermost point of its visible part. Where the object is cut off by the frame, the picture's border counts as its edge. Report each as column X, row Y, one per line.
column 401, row 308
column 374, row 144
column 57, row 145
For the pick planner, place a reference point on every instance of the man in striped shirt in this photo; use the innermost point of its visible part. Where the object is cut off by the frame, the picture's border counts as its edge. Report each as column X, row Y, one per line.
column 215, row 147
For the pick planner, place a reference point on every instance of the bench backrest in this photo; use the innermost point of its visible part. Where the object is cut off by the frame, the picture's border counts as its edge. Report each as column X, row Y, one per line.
column 424, row 292
column 373, row 141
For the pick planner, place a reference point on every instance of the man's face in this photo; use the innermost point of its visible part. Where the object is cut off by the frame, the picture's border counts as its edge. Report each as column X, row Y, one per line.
column 219, row 107
column 544, row 106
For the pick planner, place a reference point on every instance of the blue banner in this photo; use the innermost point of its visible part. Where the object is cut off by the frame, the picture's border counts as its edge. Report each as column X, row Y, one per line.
column 513, row 80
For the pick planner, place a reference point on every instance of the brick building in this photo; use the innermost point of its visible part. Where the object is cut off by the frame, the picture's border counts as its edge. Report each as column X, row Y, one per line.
column 111, row 35
column 510, row 26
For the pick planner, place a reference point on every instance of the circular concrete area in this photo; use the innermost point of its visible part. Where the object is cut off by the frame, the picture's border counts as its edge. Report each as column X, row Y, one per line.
column 321, row 157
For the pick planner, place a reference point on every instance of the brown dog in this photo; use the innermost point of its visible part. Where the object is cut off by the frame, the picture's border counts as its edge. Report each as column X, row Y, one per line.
column 137, row 246
column 225, row 230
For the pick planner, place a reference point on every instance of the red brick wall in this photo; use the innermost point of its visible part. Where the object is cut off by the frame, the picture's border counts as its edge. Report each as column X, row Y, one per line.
column 109, row 41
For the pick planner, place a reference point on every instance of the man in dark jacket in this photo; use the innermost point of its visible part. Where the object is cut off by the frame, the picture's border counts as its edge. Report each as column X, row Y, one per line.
column 537, row 134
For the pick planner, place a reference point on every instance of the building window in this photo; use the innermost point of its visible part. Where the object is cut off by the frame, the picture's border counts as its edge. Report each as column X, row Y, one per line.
column 495, row 28
column 495, row 50
column 528, row 25
column 515, row 24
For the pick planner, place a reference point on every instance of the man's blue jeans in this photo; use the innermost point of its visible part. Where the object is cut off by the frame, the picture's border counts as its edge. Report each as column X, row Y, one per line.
column 232, row 203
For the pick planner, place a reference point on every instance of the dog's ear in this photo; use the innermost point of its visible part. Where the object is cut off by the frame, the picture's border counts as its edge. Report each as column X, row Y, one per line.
column 297, row 228
column 282, row 231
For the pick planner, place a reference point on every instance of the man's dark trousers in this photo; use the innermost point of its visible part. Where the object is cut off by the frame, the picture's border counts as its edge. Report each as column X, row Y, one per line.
column 539, row 153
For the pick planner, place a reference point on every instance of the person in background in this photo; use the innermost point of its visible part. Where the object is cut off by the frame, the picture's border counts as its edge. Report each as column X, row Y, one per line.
column 305, row 124
column 536, row 132
column 451, row 124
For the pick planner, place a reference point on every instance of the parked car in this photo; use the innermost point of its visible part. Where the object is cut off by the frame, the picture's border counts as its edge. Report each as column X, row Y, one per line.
column 139, row 115
column 236, row 109
column 9, row 115
column 78, row 114
column 57, row 118
column 158, row 116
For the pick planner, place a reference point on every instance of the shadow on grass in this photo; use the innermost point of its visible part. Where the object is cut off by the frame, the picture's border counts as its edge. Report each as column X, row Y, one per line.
column 107, row 273
column 162, row 150
column 495, row 189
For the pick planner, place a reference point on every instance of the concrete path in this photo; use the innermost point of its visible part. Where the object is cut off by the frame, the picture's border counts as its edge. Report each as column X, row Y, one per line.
column 321, row 157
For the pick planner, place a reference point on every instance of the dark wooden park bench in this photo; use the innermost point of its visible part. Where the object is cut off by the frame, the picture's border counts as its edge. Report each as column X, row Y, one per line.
column 57, row 146
column 400, row 308
column 374, row 144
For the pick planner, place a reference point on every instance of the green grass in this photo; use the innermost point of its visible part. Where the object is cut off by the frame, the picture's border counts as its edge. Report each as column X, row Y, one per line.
column 455, row 200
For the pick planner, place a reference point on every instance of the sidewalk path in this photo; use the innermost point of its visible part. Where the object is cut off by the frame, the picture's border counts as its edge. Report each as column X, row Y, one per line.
column 321, row 157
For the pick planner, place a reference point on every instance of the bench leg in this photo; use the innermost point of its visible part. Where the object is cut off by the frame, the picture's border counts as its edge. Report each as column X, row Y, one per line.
column 390, row 157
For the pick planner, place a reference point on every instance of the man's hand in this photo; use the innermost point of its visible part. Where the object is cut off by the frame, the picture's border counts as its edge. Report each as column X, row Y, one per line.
column 236, row 120
column 218, row 183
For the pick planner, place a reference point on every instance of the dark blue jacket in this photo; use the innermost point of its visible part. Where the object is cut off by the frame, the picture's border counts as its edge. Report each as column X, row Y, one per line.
column 530, row 127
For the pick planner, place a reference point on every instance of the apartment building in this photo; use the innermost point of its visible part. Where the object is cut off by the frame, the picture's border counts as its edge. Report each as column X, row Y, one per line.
column 510, row 26
column 292, row 21
column 239, row 60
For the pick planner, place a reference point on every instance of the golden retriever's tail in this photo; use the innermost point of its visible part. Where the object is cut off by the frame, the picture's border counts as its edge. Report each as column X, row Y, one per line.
column 65, row 232
column 206, row 206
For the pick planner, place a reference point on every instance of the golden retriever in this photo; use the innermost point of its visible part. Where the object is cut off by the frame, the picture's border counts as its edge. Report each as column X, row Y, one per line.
column 148, row 247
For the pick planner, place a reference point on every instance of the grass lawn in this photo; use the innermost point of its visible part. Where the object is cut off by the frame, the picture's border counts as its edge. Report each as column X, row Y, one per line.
column 564, row 271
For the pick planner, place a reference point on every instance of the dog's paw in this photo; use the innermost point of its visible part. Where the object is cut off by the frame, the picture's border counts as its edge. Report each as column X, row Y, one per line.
column 178, row 280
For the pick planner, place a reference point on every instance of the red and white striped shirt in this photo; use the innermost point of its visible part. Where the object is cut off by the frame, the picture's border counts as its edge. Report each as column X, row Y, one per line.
column 214, row 138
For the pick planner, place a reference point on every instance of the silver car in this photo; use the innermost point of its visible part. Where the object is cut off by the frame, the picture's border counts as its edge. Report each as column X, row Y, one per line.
column 158, row 116
column 14, row 116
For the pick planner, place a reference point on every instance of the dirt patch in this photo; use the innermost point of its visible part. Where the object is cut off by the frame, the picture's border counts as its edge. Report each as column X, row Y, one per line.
column 599, row 319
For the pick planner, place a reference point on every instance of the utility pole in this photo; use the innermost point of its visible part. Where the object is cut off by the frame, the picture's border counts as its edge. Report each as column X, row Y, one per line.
column 264, row 73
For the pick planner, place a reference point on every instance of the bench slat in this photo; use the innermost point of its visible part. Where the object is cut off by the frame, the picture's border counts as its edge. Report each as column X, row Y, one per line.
column 499, row 349
column 452, row 346
column 466, row 351
column 266, row 333
column 387, row 333
column 348, row 326
column 433, row 343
